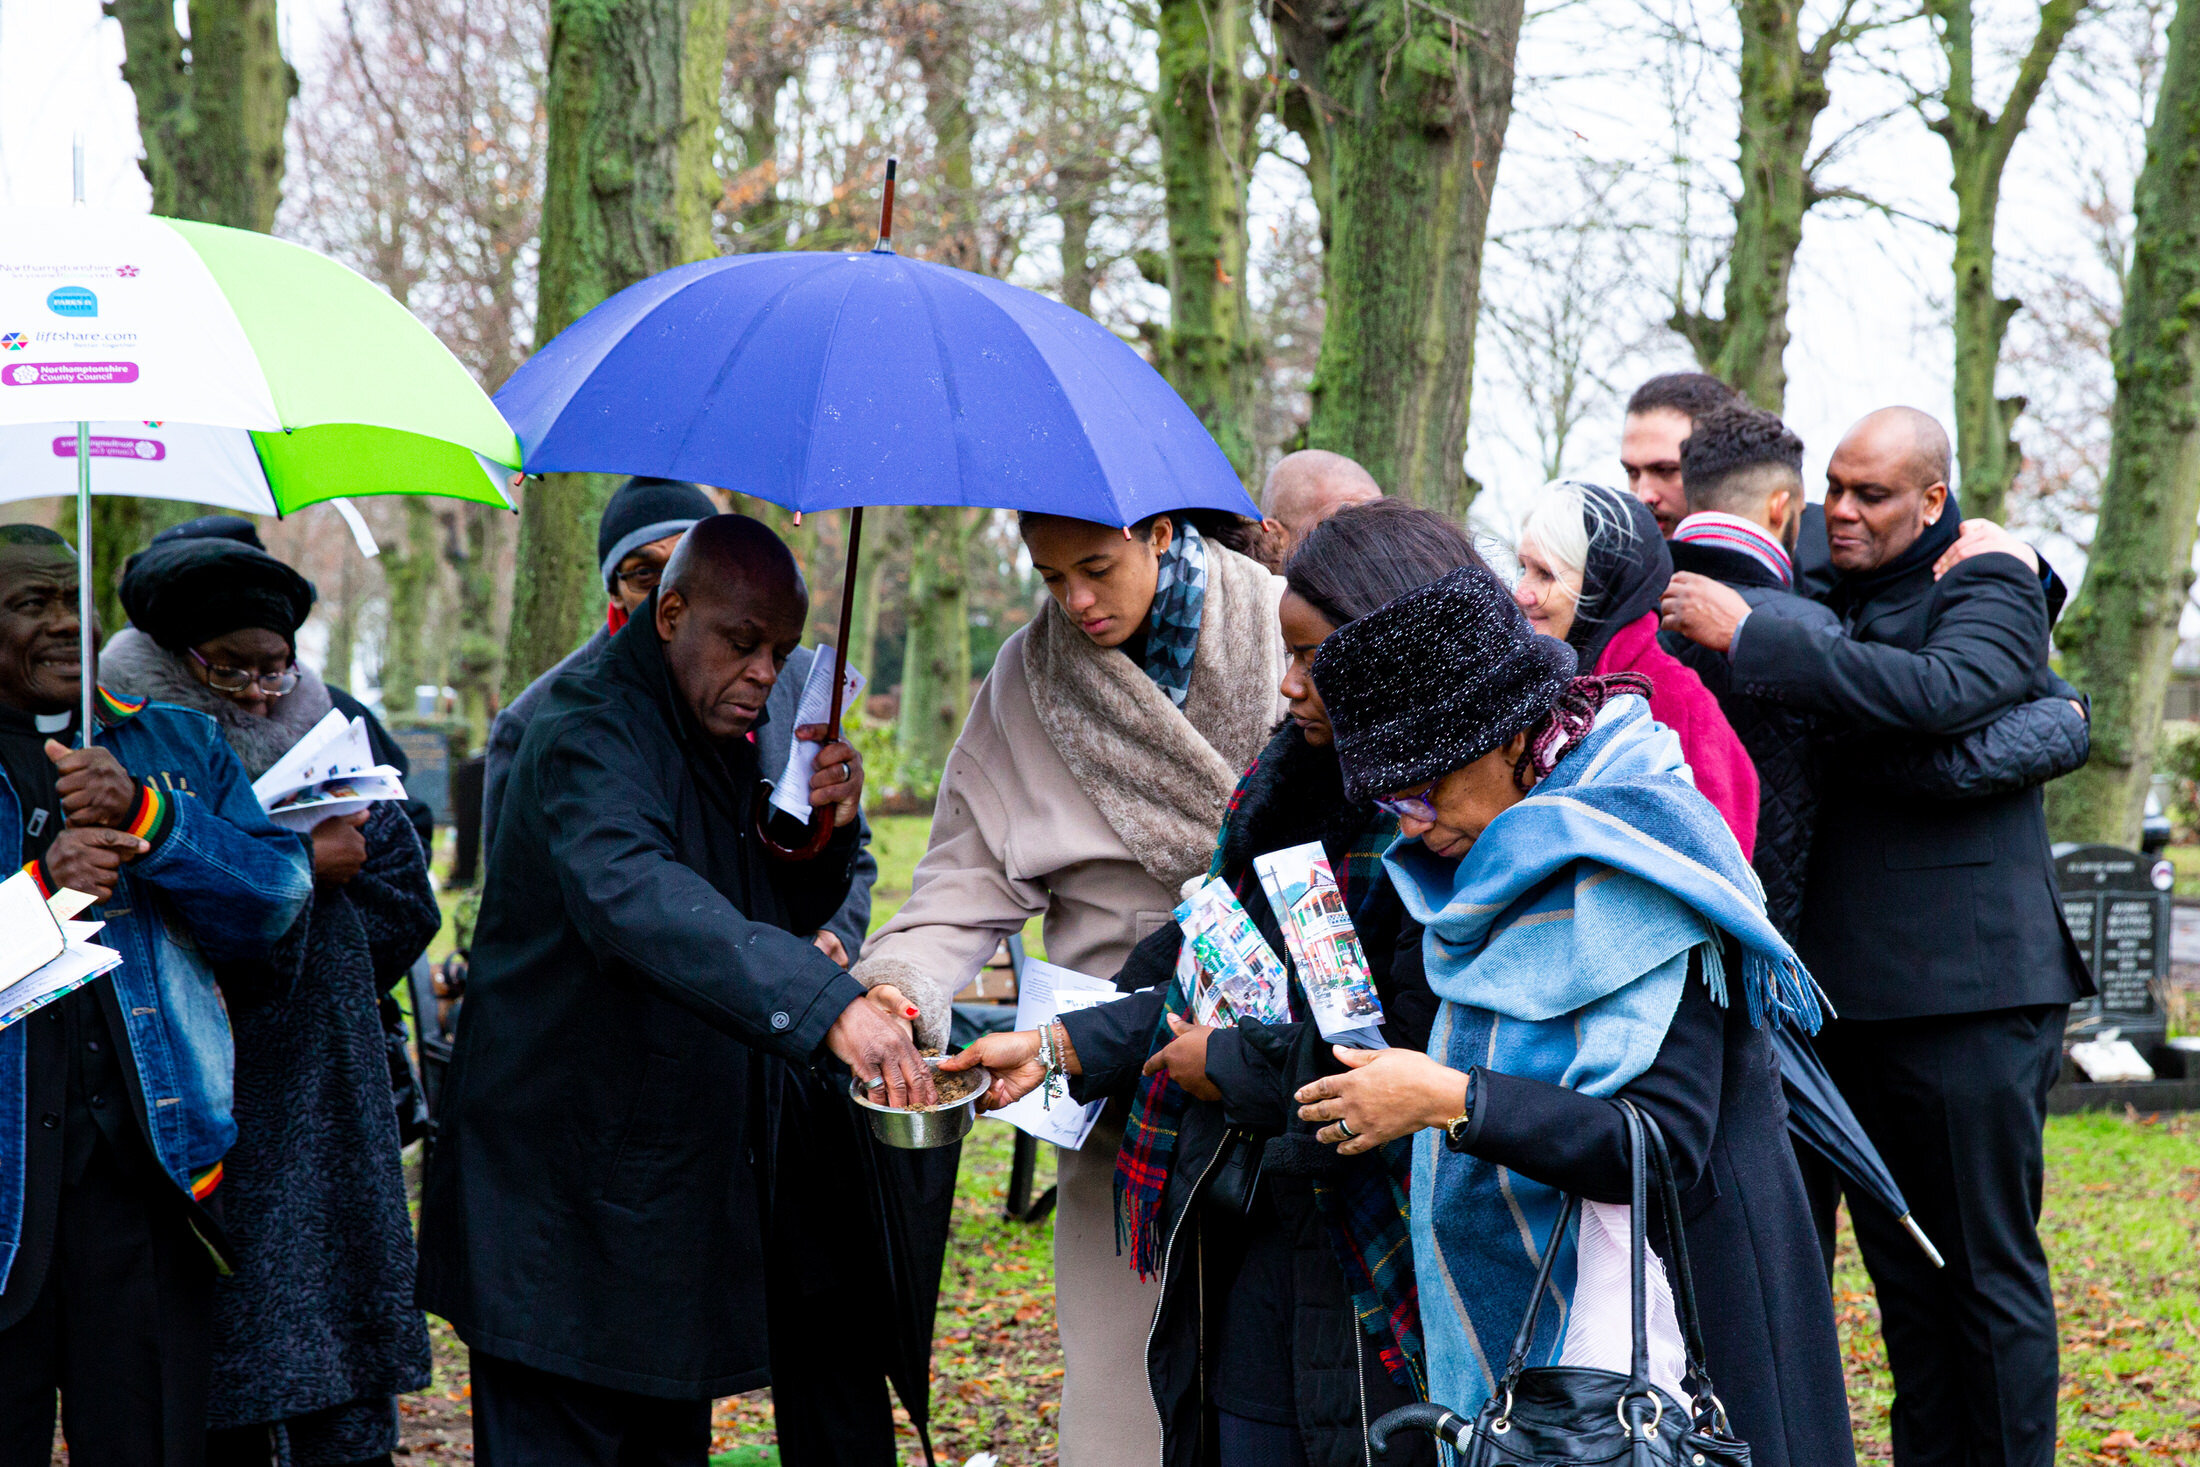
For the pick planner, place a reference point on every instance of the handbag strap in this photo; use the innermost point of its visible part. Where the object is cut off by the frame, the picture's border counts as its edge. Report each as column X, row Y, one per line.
column 1680, row 1273
column 1568, row 1205
column 1638, row 1290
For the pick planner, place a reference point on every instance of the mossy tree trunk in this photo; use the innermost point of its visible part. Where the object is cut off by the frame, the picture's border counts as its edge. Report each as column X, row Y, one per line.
column 1404, row 106
column 1978, row 146
column 211, row 115
column 1204, row 113
column 1783, row 90
column 2118, row 637
column 935, row 667
column 409, row 577
column 629, row 188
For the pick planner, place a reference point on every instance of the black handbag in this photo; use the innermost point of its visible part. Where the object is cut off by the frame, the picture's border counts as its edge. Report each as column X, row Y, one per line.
column 1566, row 1414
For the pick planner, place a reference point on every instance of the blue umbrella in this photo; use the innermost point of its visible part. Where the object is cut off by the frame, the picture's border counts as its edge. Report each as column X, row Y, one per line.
column 1820, row 1118
column 834, row 381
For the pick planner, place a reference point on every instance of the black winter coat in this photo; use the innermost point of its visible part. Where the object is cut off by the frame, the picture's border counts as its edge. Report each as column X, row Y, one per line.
column 319, row 1311
column 1340, row 1384
column 1761, row 1288
column 2028, row 745
column 592, row 1206
column 1918, row 906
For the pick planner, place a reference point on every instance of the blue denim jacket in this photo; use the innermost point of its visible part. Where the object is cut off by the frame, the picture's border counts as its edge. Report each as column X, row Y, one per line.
column 221, row 886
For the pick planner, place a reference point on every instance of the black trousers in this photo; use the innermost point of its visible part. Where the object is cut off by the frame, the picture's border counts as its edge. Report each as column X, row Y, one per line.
column 1956, row 1105
column 122, row 1328
column 524, row 1417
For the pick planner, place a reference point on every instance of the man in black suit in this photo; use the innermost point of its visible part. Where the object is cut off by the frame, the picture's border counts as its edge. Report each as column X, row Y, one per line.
column 1936, row 929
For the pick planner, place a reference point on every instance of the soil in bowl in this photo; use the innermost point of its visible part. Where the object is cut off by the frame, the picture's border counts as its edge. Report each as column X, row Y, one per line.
column 953, row 1087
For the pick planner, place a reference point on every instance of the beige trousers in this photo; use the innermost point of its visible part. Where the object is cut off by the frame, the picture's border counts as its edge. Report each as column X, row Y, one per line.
column 1104, row 1312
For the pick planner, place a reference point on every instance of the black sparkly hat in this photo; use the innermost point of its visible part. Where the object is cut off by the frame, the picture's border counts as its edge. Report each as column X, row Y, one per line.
column 1434, row 681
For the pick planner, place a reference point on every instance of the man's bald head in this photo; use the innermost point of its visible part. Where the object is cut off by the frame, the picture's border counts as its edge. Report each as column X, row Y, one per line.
column 1304, row 489
column 725, row 553
column 730, row 610
column 1886, row 484
column 1909, row 436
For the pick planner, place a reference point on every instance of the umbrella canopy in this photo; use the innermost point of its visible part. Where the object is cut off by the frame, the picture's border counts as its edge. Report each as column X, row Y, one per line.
column 832, row 381
column 1822, row 1120
column 326, row 386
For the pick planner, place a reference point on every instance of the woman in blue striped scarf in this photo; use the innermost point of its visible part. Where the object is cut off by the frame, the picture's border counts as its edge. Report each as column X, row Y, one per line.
column 1594, row 933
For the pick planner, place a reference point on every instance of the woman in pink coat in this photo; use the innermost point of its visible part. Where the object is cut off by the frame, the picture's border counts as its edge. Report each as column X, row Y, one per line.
column 1592, row 566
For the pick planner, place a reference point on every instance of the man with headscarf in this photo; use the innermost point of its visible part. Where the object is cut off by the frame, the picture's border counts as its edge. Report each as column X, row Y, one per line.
column 591, row 1225
column 116, row 1097
column 1935, row 927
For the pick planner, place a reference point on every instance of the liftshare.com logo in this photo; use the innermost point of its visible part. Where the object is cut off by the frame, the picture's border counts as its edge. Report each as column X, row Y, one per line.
column 15, row 341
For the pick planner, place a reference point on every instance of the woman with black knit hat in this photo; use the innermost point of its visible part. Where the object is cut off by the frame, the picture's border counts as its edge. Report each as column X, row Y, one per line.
column 316, row 1332
column 1594, row 933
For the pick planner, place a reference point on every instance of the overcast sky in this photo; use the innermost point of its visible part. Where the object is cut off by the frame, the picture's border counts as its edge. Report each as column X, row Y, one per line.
column 1869, row 298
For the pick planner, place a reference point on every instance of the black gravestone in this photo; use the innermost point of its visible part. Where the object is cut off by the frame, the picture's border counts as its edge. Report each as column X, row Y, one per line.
column 2117, row 903
column 429, row 752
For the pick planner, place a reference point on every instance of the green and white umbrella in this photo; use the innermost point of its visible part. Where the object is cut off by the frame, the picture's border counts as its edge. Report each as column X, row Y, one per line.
column 167, row 359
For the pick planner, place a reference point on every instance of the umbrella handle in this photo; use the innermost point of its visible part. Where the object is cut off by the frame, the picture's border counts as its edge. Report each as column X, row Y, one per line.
column 821, row 821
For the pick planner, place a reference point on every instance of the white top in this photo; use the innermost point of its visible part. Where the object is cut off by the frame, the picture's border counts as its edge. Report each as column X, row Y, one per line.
column 1600, row 1329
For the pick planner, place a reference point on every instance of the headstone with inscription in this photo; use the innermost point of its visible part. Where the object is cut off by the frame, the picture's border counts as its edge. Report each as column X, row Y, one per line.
column 2117, row 903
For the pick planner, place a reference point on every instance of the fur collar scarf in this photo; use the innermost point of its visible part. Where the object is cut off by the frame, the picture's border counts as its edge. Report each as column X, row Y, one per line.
column 1294, row 794
column 1160, row 777
column 134, row 664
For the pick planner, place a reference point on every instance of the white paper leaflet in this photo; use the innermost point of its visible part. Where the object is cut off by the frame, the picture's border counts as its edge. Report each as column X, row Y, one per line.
column 329, row 772
column 1044, row 993
column 42, row 954
column 1302, row 891
column 792, row 792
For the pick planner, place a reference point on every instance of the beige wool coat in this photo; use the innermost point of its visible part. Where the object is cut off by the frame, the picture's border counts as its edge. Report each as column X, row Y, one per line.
column 1078, row 794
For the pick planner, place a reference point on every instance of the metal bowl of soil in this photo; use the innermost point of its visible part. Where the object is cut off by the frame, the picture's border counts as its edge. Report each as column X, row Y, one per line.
column 942, row 1124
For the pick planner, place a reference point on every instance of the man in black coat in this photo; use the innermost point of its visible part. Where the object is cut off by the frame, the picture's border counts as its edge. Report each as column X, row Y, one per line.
column 591, row 1225
column 1937, row 931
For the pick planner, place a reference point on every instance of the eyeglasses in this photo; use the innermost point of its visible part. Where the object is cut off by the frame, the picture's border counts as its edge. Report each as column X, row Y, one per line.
column 1408, row 807
column 641, row 580
column 235, row 680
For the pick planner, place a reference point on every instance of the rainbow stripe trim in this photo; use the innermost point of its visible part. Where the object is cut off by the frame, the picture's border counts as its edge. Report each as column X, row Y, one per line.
column 204, row 1182
column 154, row 814
column 114, row 709
column 38, row 875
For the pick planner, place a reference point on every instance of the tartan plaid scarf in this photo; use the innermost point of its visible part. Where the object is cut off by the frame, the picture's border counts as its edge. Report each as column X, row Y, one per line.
column 1150, row 1134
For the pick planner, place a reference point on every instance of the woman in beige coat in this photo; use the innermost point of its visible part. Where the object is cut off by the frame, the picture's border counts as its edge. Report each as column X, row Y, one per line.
column 1086, row 787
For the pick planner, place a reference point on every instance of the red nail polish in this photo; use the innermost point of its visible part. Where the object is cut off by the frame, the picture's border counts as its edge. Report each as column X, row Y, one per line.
column 909, row 1012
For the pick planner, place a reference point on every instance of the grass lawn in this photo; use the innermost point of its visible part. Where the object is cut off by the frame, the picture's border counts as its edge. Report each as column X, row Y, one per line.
column 2122, row 1226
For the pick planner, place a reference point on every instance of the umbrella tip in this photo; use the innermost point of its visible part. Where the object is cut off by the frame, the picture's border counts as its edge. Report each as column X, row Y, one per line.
column 885, row 245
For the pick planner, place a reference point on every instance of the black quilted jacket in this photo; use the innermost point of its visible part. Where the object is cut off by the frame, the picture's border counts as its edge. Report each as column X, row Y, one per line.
column 1778, row 738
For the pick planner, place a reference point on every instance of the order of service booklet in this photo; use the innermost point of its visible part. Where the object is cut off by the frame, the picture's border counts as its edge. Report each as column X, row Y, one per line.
column 1309, row 907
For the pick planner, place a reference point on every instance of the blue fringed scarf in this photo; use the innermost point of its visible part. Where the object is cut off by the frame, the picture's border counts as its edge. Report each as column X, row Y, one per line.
column 1560, row 943
column 1172, row 626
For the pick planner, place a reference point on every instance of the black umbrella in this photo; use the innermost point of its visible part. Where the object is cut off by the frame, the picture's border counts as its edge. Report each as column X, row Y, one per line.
column 913, row 1198
column 1822, row 1120
column 857, row 1231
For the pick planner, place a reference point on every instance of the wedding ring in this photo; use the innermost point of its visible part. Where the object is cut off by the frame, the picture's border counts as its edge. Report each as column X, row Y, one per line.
column 1346, row 1127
